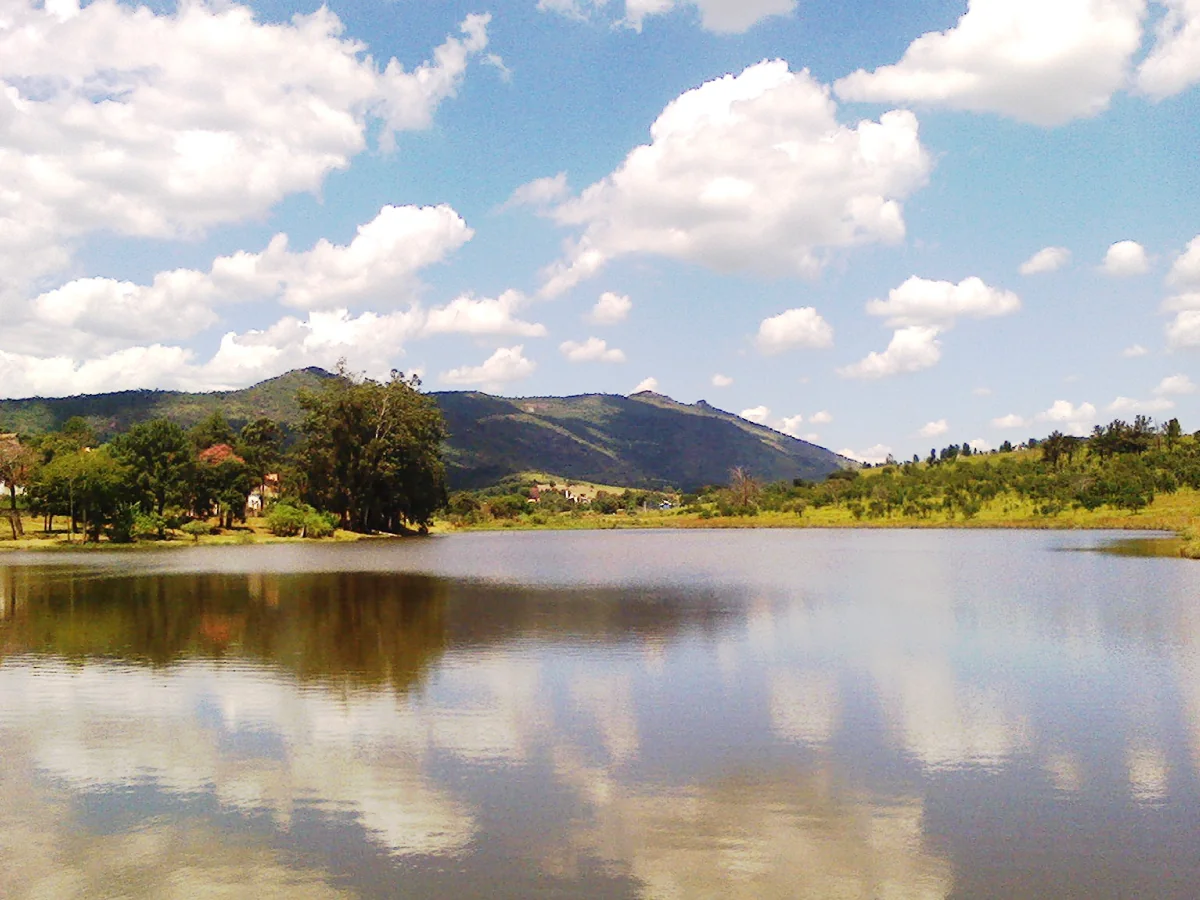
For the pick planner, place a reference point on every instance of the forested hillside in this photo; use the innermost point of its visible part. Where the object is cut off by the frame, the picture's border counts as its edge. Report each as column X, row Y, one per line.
column 646, row 440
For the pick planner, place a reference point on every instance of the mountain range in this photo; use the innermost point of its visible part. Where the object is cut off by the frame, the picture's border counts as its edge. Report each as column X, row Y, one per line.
column 644, row 440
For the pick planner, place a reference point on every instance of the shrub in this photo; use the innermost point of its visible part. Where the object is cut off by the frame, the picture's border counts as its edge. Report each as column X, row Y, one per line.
column 196, row 528
column 319, row 525
column 149, row 526
column 285, row 520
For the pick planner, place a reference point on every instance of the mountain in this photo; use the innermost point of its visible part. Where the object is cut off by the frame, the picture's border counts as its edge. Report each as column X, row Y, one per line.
column 645, row 440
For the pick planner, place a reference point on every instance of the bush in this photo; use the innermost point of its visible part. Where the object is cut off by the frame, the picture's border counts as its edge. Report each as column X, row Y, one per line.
column 285, row 520
column 149, row 526
column 196, row 528
column 508, row 507
column 319, row 525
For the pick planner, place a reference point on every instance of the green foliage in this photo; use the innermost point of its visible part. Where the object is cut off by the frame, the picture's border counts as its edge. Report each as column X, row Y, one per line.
column 91, row 487
column 160, row 459
column 371, row 452
column 148, row 526
column 197, row 528
column 508, row 507
column 212, row 431
column 285, row 520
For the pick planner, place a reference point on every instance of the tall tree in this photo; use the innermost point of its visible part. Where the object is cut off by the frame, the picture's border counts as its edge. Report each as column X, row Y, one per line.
column 212, row 431
column 16, row 466
column 162, row 463
column 372, row 451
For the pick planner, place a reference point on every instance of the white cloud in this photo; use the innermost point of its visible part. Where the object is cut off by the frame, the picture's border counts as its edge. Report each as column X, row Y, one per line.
column 1048, row 259
column 979, row 445
column 749, row 172
column 1181, row 302
column 506, row 365
column 540, row 193
column 1185, row 272
column 922, row 302
column 1012, row 420
column 911, row 349
column 790, row 425
column 646, row 384
column 934, row 429
column 1175, row 385
column 610, row 309
column 379, row 266
column 758, row 414
column 982, row 392
column 115, row 118
column 591, row 350
column 1130, row 406
column 371, row 342
column 376, row 267
column 820, row 418
column 1174, row 61
column 1134, row 351
column 719, row 16
column 471, row 315
column 802, row 327
column 721, row 381
column 1068, row 417
column 877, row 454
column 1045, row 63
column 1184, row 331
column 1126, row 258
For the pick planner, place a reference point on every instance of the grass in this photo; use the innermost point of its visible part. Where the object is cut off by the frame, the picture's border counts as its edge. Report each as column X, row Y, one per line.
column 253, row 531
column 1178, row 512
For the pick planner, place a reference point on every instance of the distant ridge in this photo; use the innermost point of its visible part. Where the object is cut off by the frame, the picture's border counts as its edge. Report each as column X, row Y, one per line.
column 644, row 440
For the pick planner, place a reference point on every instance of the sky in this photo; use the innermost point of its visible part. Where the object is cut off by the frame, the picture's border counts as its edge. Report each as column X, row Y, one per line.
column 882, row 227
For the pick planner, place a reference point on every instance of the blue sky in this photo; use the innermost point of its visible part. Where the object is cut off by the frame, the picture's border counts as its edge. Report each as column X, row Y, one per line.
column 883, row 227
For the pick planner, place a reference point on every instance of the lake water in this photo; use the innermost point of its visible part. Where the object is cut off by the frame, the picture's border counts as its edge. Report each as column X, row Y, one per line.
column 700, row 714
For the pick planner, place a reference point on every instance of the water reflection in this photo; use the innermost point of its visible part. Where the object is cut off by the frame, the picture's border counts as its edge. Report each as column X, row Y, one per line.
column 867, row 716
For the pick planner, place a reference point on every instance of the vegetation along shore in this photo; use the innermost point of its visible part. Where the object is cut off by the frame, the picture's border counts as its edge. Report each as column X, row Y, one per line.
column 363, row 458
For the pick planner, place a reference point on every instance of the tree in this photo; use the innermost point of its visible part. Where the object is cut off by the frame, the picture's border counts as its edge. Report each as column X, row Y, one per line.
column 260, row 444
column 372, row 451
column 225, row 481
column 161, row 461
column 743, row 487
column 16, row 465
column 91, row 487
column 212, row 431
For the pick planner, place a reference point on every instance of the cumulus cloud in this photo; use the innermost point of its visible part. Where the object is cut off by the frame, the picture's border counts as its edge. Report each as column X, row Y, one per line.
column 1012, row 420
column 379, row 266
column 749, row 172
column 610, row 309
column 719, row 16
column 1126, row 258
column 372, row 340
column 646, row 384
column 820, row 418
column 939, row 303
column 1185, row 272
column 591, row 350
column 1184, row 332
column 1048, row 259
column 1133, row 351
column 790, row 425
column 1045, row 63
column 874, row 455
column 803, row 327
column 113, row 119
column 1068, row 417
column 482, row 315
column 1174, row 62
column 540, row 193
column 758, row 414
column 1175, row 385
column 506, row 365
column 934, row 429
column 721, row 381
column 1131, row 406
column 911, row 349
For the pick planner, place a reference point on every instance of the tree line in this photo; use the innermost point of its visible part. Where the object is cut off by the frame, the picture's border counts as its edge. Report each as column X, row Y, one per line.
column 365, row 457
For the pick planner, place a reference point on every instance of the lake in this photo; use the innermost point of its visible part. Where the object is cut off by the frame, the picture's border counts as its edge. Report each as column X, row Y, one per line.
column 699, row 714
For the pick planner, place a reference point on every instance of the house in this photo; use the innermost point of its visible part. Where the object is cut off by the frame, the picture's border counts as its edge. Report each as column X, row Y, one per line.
column 259, row 496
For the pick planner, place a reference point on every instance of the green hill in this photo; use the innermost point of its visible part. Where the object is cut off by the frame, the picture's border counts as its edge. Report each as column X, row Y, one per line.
column 646, row 440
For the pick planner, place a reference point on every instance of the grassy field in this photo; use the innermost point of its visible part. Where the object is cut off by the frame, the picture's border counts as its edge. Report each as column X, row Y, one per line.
column 253, row 531
column 1178, row 512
